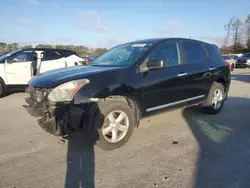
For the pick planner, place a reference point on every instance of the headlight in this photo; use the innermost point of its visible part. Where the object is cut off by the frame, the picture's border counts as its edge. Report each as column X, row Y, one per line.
column 66, row 91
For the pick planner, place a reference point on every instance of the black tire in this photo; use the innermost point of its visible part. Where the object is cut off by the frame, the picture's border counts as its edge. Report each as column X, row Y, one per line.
column 104, row 109
column 208, row 106
column 232, row 67
column 2, row 88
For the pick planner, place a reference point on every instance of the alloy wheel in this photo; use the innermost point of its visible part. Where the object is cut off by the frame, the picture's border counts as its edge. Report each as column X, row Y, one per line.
column 115, row 126
column 217, row 99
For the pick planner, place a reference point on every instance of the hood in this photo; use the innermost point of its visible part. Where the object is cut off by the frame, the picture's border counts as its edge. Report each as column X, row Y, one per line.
column 56, row 77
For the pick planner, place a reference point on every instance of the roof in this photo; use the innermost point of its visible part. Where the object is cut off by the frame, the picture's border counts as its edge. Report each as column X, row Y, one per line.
column 43, row 49
column 157, row 40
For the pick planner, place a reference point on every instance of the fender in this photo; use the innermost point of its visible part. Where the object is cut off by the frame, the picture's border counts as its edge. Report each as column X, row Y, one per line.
column 87, row 93
column 3, row 76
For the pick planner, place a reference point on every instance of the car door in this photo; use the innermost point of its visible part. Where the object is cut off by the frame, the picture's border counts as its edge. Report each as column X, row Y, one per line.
column 200, row 70
column 52, row 59
column 18, row 68
column 165, row 87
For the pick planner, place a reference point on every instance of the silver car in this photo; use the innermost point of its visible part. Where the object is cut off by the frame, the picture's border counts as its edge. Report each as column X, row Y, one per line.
column 231, row 61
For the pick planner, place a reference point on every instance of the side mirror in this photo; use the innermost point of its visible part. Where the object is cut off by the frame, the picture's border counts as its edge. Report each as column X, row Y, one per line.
column 155, row 64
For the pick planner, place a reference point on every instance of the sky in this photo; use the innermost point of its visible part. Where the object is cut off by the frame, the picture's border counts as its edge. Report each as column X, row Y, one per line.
column 105, row 23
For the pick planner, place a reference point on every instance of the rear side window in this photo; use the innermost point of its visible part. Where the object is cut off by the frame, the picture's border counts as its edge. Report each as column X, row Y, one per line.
column 169, row 53
column 65, row 53
column 213, row 53
column 193, row 52
column 51, row 55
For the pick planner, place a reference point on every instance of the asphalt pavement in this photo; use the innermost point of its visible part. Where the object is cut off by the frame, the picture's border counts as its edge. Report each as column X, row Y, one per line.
column 170, row 149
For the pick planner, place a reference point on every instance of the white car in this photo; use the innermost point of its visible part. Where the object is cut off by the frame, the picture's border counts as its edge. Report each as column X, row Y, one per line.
column 17, row 67
column 230, row 60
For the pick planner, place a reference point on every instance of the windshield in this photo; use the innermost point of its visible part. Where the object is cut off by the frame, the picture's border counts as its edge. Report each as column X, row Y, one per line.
column 7, row 55
column 226, row 57
column 122, row 55
column 246, row 55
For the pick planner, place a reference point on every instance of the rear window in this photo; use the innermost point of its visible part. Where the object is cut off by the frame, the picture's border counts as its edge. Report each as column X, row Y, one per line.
column 194, row 52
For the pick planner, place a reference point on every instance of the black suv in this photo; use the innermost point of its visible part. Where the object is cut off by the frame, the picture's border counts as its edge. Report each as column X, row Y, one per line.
column 110, row 95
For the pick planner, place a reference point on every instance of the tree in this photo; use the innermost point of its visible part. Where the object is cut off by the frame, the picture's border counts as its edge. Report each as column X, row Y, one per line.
column 99, row 51
column 227, row 28
column 237, row 34
column 27, row 47
column 247, row 26
column 79, row 49
column 44, row 46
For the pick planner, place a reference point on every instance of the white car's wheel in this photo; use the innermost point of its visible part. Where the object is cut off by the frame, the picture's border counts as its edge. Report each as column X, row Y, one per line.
column 2, row 88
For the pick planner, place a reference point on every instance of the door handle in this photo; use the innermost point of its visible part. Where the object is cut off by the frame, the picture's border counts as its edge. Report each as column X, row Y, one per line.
column 182, row 74
column 211, row 68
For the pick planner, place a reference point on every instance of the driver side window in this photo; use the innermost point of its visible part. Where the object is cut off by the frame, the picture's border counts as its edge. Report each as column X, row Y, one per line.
column 169, row 53
column 20, row 57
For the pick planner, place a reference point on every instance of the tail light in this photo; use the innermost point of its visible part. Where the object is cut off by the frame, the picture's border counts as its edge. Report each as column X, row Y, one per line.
column 228, row 64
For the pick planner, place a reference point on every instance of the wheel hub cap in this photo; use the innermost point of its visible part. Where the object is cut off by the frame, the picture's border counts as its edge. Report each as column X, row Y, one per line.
column 217, row 99
column 115, row 126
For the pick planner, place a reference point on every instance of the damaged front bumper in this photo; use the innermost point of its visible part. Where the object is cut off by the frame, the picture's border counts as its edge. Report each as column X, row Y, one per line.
column 56, row 119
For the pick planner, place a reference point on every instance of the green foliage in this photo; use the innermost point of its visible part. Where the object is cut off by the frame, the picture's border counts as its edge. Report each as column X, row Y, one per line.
column 27, row 47
column 79, row 49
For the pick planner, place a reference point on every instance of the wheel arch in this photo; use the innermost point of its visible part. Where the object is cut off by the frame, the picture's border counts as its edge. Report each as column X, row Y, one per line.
column 2, row 81
column 128, row 93
column 4, row 86
column 222, row 81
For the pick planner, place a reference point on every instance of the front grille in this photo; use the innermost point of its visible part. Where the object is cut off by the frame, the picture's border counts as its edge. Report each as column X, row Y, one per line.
column 36, row 94
column 242, row 61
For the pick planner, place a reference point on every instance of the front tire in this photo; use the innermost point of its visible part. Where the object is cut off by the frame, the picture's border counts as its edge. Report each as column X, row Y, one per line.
column 114, row 122
column 2, row 88
column 215, row 99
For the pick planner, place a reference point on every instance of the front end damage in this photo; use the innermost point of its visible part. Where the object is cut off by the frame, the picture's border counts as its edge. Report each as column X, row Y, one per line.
column 57, row 119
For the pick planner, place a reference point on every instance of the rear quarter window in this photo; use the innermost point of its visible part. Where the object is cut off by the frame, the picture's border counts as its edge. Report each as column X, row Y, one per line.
column 193, row 52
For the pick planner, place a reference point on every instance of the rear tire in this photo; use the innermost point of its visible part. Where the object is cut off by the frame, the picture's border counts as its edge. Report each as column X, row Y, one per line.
column 232, row 67
column 215, row 99
column 110, row 132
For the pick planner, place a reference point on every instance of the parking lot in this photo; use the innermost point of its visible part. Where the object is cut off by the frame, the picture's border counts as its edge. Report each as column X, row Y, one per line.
column 182, row 148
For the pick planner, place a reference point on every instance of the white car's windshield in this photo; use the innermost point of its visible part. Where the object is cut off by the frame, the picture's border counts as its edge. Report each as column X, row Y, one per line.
column 122, row 55
column 7, row 55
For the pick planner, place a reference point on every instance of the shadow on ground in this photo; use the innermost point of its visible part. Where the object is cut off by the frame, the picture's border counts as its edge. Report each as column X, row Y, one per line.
column 80, row 162
column 224, row 141
column 243, row 77
column 18, row 89
column 81, row 155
